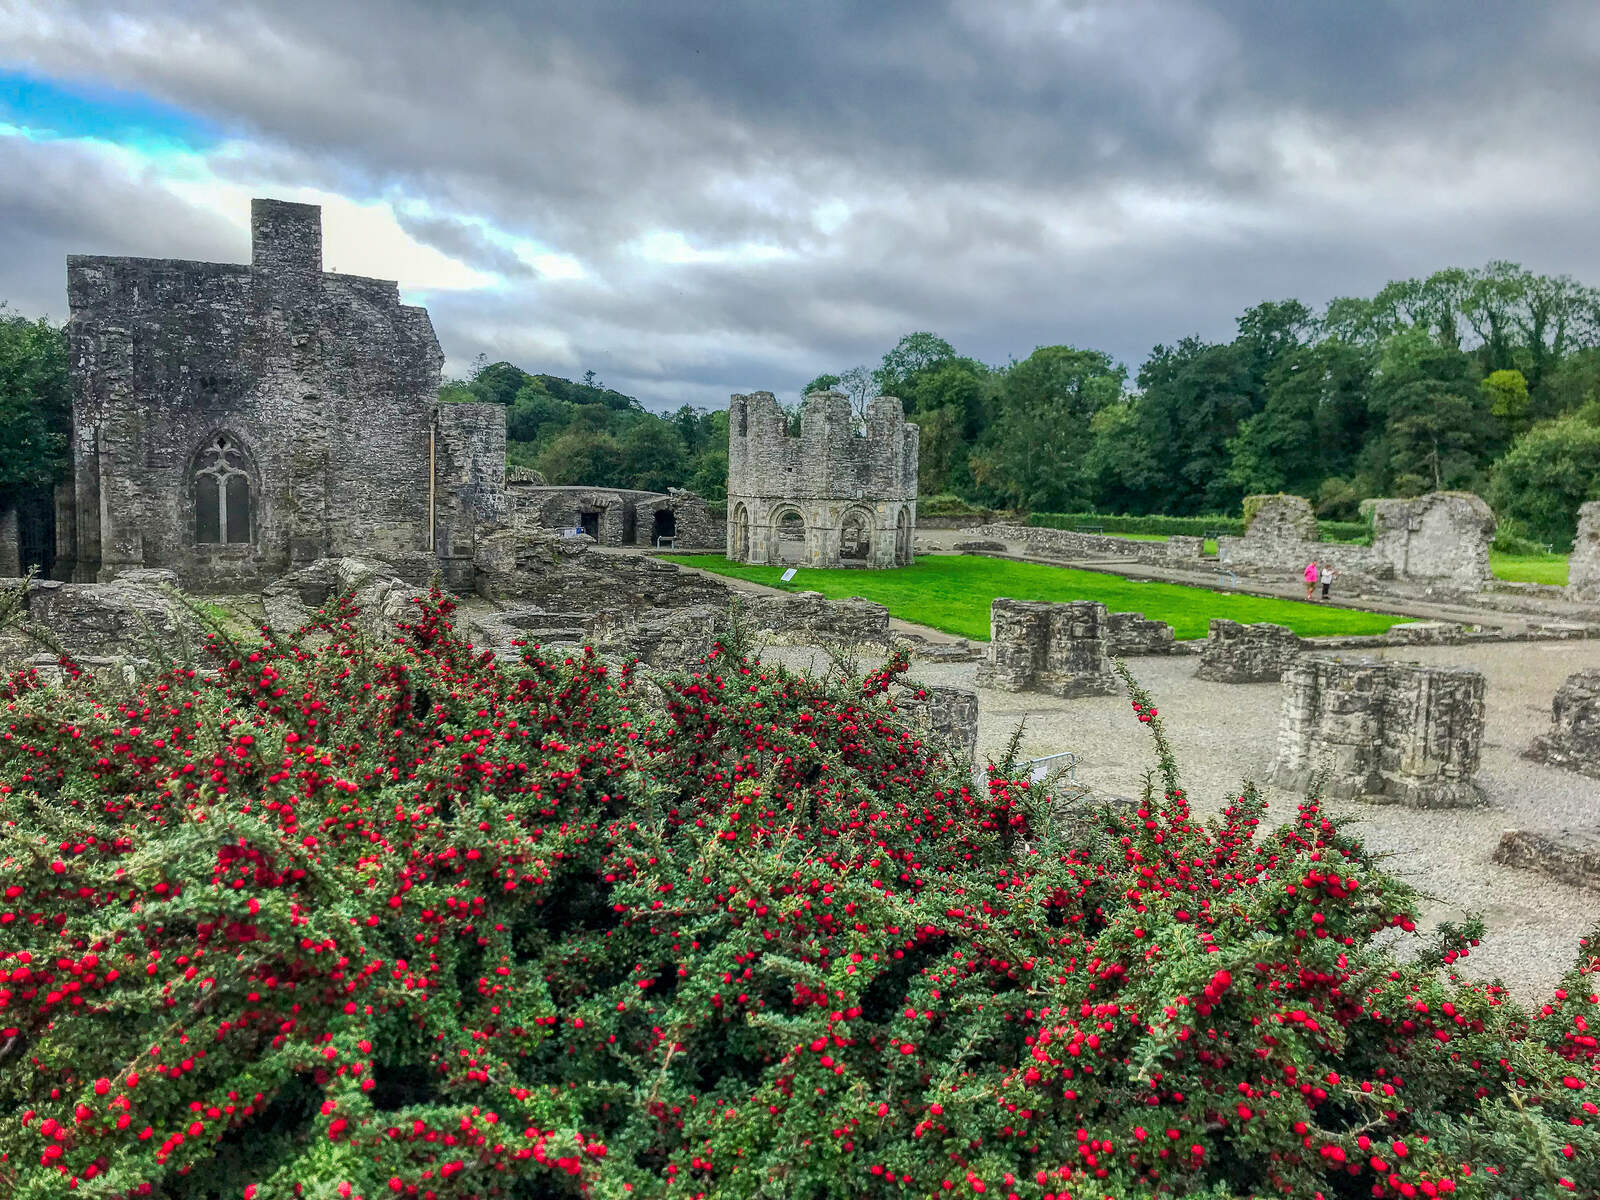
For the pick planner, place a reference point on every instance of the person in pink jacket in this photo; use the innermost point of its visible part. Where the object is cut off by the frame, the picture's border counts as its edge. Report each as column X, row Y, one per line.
column 1311, row 578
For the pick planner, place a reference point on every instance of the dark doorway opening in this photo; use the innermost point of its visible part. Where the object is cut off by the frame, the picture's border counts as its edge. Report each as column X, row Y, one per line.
column 36, row 532
column 590, row 524
column 664, row 526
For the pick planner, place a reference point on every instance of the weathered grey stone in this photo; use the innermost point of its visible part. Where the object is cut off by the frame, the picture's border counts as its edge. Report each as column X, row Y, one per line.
column 619, row 516
column 1571, row 856
column 1068, row 543
column 1382, row 731
column 232, row 422
column 137, row 616
column 379, row 596
column 1236, row 653
column 1131, row 635
column 948, row 714
column 1280, row 518
column 1574, row 738
column 1583, row 567
column 1425, row 633
column 1441, row 537
column 546, row 570
column 1057, row 648
column 835, row 495
column 663, row 637
column 980, row 546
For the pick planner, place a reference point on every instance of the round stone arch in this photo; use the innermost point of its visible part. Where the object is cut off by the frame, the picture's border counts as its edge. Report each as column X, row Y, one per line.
column 739, row 532
column 856, row 537
column 788, row 536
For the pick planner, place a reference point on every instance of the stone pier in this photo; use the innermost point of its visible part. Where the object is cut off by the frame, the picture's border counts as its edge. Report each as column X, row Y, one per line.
column 1035, row 645
column 1381, row 731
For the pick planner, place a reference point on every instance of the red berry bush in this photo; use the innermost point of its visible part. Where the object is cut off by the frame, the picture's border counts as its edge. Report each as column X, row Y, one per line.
column 346, row 920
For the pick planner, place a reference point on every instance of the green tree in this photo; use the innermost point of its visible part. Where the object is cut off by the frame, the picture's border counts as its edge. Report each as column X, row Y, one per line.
column 35, row 405
column 1507, row 394
column 1035, row 451
column 653, row 456
column 1436, row 417
column 822, row 383
column 1548, row 472
column 913, row 353
column 582, row 457
column 499, row 383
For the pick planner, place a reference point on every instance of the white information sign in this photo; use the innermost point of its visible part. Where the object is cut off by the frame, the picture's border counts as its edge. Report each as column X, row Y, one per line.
column 788, row 575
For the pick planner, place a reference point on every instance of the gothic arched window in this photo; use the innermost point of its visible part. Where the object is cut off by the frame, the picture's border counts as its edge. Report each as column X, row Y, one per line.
column 222, row 493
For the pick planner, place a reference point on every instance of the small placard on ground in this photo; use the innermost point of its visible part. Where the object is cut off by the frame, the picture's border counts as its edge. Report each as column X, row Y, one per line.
column 787, row 575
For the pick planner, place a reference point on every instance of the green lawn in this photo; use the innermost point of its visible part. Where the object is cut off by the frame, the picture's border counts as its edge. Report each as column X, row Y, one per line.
column 952, row 593
column 1529, row 568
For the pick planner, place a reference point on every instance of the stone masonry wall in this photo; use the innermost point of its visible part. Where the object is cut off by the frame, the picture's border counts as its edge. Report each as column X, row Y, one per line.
column 850, row 484
column 1057, row 648
column 1443, row 537
column 1583, row 568
column 1067, row 543
column 1236, row 653
column 1574, row 738
column 948, row 714
column 1382, row 731
column 324, row 386
column 1130, row 635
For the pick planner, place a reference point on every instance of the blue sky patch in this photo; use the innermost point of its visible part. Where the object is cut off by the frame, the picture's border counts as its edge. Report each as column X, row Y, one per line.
column 48, row 109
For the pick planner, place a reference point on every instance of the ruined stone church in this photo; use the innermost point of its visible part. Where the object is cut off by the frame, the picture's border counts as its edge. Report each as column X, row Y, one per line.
column 234, row 422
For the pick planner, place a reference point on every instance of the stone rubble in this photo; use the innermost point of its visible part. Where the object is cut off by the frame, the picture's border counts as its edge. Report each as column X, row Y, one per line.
column 1574, row 738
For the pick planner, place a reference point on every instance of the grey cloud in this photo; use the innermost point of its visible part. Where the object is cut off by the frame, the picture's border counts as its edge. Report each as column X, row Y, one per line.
column 957, row 135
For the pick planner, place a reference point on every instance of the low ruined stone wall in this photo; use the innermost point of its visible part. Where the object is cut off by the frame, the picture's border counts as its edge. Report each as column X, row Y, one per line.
column 546, row 570
column 1058, row 648
column 1236, row 653
column 671, row 637
column 1065, row 543
column 1381, row 730
column 136, row 616
column 1131, row 635
column 948, row 714
column 1574, row 738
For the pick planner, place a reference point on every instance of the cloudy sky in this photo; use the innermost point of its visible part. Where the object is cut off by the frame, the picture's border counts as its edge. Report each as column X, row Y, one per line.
column 694, row 197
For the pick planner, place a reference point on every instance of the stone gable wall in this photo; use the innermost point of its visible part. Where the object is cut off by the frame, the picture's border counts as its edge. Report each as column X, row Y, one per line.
column 326, row 383
column 1583, row 568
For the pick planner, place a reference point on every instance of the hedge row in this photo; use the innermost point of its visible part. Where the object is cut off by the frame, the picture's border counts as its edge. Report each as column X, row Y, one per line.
column 1332, row 531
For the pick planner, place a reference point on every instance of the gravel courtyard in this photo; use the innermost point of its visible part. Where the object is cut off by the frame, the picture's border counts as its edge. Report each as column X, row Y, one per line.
column 1226, row 733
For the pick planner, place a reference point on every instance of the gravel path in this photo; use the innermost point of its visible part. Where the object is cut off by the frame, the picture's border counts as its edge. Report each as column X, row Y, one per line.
column 1226, row 733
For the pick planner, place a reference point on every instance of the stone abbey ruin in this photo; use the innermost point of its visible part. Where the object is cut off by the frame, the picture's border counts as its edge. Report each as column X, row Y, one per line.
column 234, row 422
column 273, row 430
column 840, row 493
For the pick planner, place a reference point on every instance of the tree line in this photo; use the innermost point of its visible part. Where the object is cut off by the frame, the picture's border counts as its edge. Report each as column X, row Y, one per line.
column 1485, row 379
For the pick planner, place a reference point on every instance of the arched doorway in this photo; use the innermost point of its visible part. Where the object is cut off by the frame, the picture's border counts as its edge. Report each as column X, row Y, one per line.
column 855, row 539
column 663, row 526
column 902, row 539
column 739, row 534
column 789, row 537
